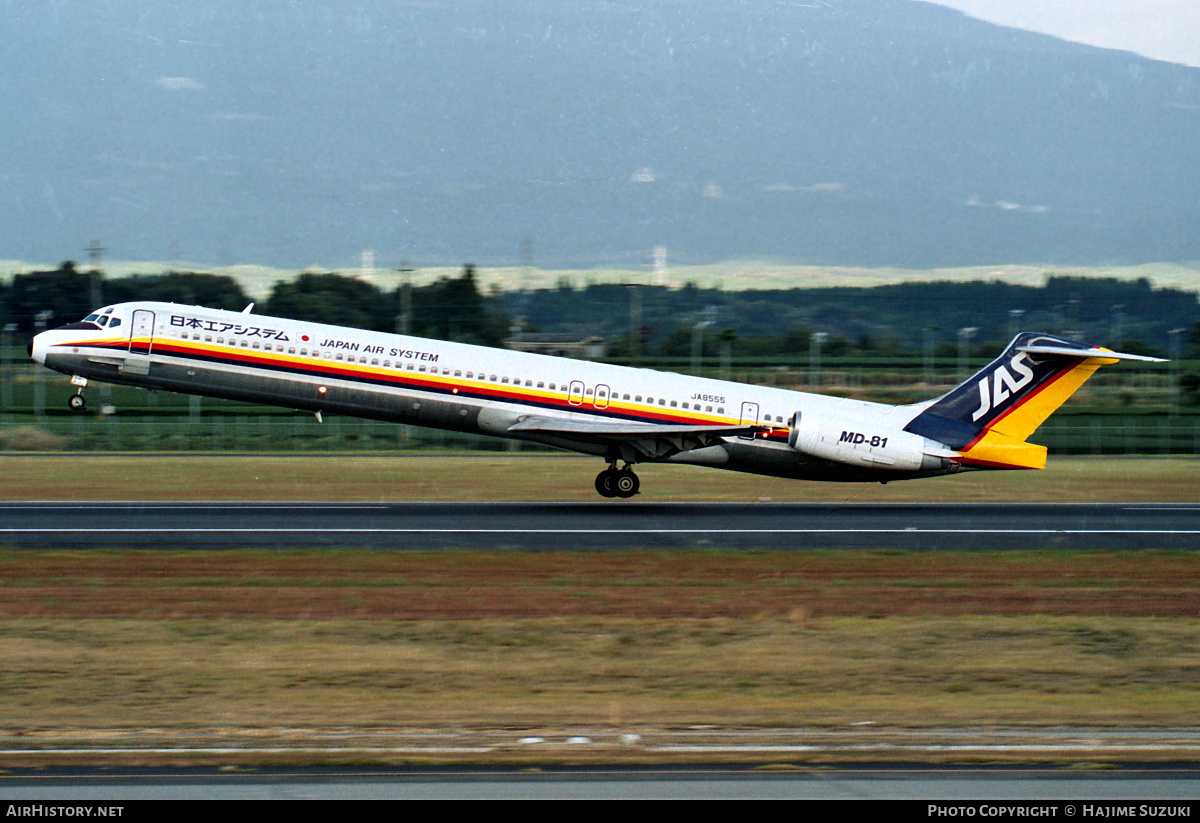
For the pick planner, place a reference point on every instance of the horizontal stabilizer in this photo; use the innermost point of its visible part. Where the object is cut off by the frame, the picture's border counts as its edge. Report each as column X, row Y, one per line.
column 1093, row 351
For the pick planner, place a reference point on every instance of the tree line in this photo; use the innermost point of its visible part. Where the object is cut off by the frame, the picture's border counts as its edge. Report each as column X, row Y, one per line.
column 451, row 308
column 662, row 322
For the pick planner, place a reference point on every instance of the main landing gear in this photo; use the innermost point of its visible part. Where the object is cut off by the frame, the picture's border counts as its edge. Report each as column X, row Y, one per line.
column 614, row 482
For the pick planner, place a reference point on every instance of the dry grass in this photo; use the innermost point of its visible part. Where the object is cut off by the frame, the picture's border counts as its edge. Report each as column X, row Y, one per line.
column 504, row 673
column 255, row 640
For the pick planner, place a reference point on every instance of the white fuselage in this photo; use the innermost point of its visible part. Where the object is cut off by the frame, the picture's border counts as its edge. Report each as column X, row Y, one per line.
column 337, row 370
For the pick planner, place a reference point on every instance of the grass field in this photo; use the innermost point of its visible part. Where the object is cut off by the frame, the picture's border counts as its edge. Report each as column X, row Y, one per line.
column 551, row 477
column 100, row 648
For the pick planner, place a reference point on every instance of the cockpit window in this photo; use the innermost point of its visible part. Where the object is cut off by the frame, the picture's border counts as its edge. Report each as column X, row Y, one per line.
column 103, row 318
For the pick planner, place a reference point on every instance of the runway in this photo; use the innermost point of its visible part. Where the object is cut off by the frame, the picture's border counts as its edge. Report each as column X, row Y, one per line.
column 599, row 526
column 978, row 791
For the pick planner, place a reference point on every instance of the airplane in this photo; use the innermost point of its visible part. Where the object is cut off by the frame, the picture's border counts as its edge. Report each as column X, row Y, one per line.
column 623, row 415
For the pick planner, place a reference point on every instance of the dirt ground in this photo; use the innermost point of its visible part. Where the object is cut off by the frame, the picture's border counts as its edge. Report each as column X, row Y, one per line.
column 694, row 584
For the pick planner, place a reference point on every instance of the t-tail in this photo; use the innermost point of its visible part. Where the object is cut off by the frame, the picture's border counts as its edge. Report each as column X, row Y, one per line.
column 988, row 418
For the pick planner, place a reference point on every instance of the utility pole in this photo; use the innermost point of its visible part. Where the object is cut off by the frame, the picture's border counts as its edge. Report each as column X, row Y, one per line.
column 1014, row 322
column 1175, row 348
column 404, row 318
column 710, row 314
column 39, row 385
column 929, row 343
column 6, row 382
column 815, row 342
column 96, row 296
column 964, row 350
column 635, row 324
column 95, row 251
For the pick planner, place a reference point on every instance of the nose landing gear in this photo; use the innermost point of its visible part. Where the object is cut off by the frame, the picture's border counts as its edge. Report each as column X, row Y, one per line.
column 614, row 482
column 77, row 402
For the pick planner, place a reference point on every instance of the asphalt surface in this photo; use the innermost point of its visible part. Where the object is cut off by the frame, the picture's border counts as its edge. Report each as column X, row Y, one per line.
column 600, row 526
column 982, row 792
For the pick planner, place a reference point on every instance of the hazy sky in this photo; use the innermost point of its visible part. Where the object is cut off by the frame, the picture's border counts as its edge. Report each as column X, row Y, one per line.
column 842, row 131
column 1161, row 29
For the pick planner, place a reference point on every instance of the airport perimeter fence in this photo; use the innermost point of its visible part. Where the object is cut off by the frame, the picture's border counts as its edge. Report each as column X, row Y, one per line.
column 1074, row 434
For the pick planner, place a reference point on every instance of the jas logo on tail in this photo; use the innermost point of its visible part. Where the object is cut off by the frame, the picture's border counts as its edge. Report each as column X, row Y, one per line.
column 1003, row 386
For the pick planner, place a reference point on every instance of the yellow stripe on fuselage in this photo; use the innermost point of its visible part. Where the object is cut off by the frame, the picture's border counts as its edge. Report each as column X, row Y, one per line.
column 404, row 378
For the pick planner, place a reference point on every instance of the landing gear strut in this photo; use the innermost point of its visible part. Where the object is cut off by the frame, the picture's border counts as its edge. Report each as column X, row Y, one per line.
column 614, row 482
column 77, row 401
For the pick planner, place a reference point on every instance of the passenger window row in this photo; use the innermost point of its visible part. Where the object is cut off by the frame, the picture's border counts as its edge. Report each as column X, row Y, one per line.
column 424, row 369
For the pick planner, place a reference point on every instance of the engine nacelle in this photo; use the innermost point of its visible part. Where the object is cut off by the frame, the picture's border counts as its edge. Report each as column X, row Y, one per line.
column 863, row 444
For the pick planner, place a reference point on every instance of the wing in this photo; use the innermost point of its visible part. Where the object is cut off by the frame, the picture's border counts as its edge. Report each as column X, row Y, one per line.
column 634, row 441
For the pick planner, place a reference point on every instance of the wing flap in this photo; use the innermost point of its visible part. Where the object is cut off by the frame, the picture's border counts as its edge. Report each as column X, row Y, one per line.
column 627, row 431
column 630, row 441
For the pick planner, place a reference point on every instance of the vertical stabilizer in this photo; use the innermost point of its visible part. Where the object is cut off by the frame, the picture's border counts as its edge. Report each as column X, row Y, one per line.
column 988, row 418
